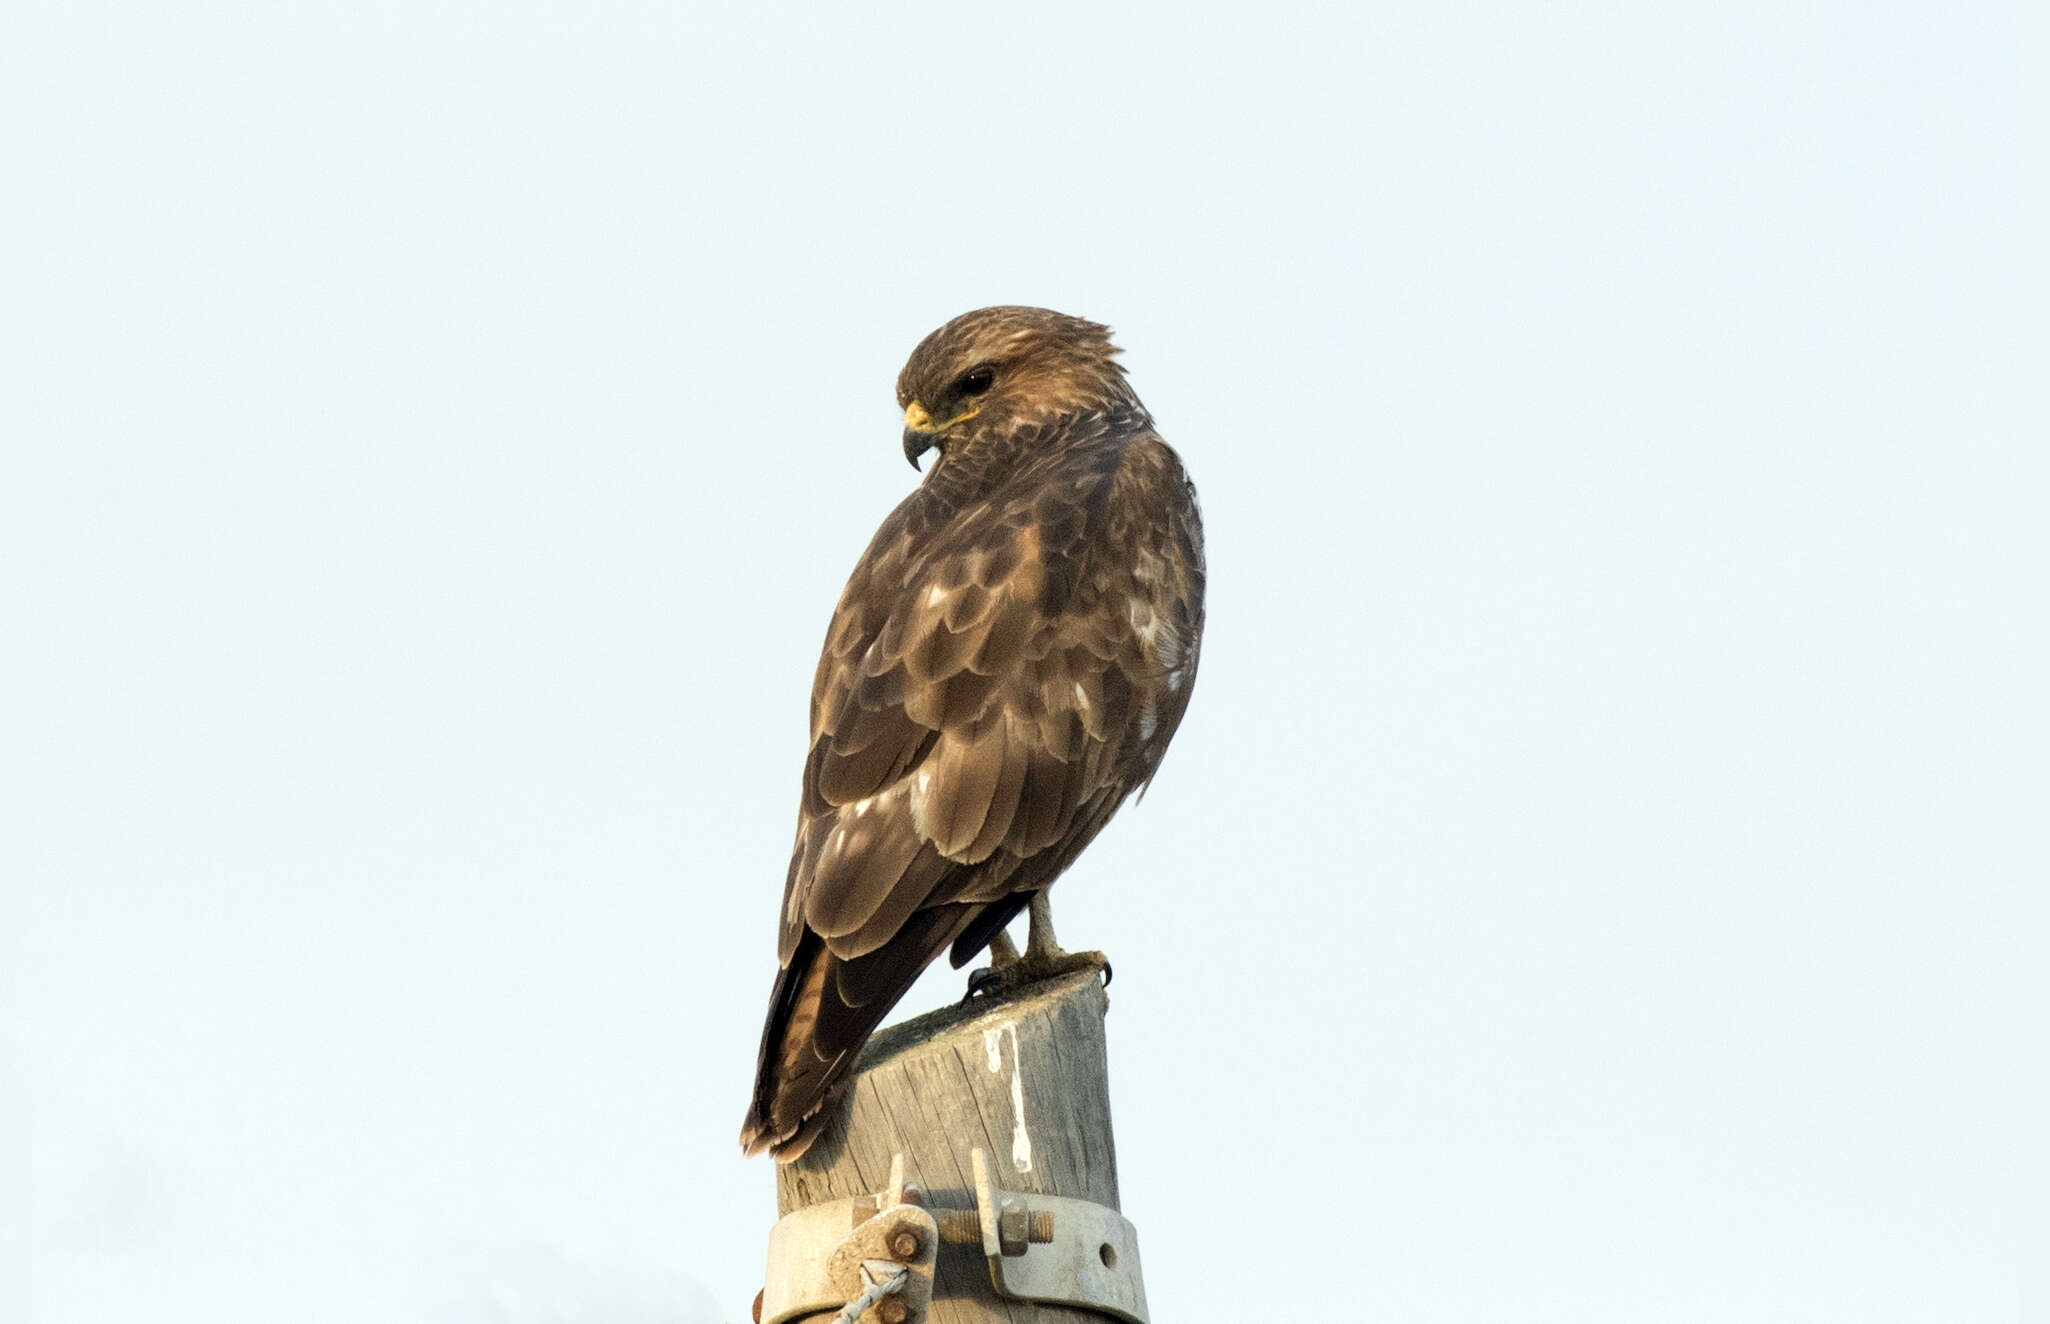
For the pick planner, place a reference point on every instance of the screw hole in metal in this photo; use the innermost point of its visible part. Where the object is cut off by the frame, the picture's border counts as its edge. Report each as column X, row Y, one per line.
column 1107, row 1255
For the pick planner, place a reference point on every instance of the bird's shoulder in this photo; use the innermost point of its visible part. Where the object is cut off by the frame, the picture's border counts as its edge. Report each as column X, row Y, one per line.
column 964, row 525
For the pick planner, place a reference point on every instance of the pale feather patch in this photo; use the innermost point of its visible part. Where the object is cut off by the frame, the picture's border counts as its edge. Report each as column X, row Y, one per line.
column 1155, row 633
column 850, row 832
column 1144, row 623
column 921, row 801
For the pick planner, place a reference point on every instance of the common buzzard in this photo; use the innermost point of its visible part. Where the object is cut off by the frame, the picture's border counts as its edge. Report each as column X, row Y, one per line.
column 1007, row 663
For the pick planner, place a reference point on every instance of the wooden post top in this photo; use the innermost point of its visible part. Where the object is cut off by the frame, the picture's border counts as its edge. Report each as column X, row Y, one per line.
column 1020, row 1075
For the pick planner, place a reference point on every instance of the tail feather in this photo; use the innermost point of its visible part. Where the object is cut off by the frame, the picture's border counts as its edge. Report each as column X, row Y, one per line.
column 821, row 1011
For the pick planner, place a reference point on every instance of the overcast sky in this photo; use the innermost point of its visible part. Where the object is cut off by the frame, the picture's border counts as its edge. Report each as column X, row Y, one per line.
column 1587, row 886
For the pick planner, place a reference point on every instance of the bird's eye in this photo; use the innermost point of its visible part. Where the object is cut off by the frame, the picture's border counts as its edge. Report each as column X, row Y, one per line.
column 977, row 380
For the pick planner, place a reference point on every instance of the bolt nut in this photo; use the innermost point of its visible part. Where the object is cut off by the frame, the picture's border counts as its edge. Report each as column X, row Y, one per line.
column 1014, row 1227
column 905, row 1243
column 892, row 1310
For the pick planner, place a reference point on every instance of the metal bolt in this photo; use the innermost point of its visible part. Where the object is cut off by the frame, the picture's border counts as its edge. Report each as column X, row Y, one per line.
column 905, row 1243
column 963, row 1227
column 892, row 1310
column 959, row 1227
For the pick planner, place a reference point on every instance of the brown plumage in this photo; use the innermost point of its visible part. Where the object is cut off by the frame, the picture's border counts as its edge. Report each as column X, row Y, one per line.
column 1007, row 663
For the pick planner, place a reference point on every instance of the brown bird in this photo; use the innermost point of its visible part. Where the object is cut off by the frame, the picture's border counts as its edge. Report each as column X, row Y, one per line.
column 1007, row 663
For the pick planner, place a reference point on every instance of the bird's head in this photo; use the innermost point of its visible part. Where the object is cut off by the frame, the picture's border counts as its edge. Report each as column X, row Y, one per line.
column 986, row 372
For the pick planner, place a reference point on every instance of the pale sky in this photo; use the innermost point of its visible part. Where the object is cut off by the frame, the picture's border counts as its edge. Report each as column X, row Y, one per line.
column 1587, row 886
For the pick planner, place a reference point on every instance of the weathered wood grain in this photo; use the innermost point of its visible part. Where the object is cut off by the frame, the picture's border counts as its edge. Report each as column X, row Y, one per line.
column 1022, row 1077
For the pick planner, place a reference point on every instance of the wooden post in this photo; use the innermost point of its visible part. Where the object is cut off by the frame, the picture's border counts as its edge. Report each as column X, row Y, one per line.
column 1022, row 1077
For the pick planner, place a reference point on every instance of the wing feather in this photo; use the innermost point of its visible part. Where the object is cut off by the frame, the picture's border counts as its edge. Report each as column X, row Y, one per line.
column 952, row 789
column 863, row 858
column 1015, row 760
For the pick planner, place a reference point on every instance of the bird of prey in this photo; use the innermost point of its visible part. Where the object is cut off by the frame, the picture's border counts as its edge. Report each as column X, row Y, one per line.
column 1006, row 664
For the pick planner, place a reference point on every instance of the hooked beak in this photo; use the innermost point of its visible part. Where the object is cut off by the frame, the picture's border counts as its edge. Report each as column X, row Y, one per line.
column 919, row 434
